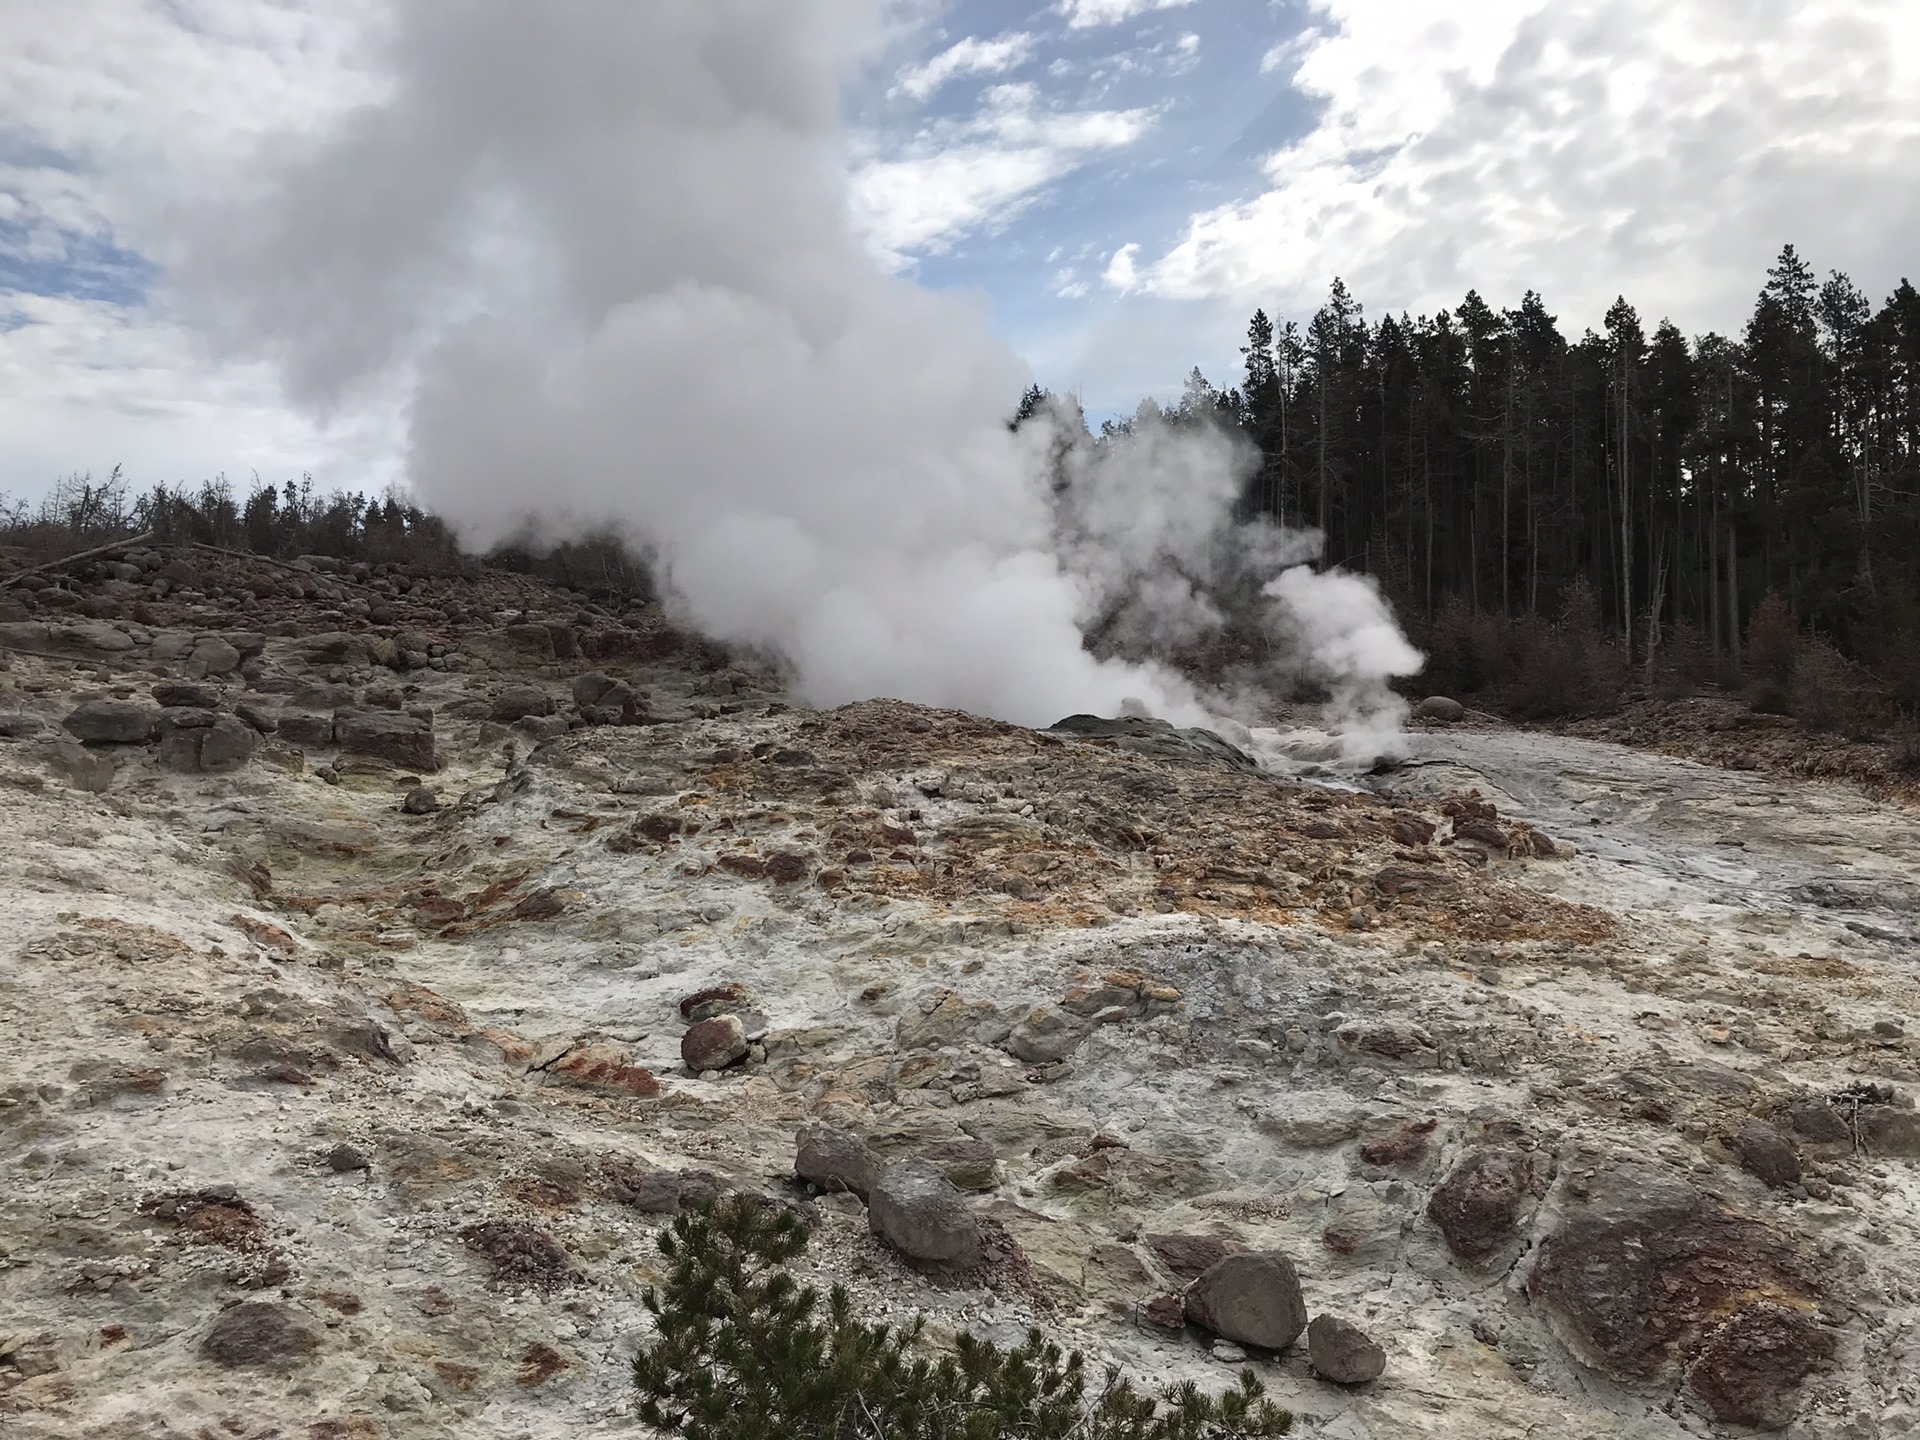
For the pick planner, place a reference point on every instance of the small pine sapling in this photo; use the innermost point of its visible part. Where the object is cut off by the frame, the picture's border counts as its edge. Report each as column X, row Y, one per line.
column 744, row 1352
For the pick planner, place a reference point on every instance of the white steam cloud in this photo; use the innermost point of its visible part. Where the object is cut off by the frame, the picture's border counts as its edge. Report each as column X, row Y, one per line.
column 606, row 246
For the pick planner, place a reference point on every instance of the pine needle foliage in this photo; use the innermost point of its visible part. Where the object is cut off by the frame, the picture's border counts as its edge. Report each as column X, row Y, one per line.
column 744, row 1352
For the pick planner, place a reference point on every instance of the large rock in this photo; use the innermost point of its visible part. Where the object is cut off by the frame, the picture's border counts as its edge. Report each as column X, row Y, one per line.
column 1342, row 1352
column 1766, row 1152
column 258, row 1336
column 923, row 1215
column 1046, row 1036
column 400, row 739
column 1644, row 1273
column 175, row 693
column 309, row 732
column 1252, row 1299
column 714, row 1044
column 209, row 745
column 1751, row 1371
column 518, row 702
column 834, row 1160
column 1887, row 1131
column 213, row 657
column 1442, row 708
column 1478, row 1206
column 120, row 722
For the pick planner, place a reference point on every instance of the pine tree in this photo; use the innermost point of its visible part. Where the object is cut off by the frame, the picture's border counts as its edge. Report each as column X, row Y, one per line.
column 744, row 1352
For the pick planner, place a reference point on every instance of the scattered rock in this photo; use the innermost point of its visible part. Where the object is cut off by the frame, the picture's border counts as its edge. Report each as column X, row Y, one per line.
column 921, row 1214
column 1342, row 1352
column 835, row 1160
column 519, row 1254
column 420, row 800
column 344, row 1159
column 714, row 1044
column 1165, row 1312
column 1254, row 1299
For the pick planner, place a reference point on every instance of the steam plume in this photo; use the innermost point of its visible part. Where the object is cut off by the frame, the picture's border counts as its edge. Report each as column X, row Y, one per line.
column 605, row 245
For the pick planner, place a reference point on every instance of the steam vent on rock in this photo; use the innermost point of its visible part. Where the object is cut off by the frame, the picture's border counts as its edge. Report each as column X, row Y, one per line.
column 641, row 798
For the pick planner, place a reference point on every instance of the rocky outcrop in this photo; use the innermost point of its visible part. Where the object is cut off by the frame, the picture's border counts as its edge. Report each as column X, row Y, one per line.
column 1478, row 1206
column 1645, row 1277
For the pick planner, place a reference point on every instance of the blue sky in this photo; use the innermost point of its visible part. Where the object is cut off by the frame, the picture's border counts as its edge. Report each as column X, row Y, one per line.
column 1203, row 114
column 1120, row 181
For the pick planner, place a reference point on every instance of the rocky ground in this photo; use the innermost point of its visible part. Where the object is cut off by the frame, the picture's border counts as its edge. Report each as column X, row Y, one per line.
column 385, row 957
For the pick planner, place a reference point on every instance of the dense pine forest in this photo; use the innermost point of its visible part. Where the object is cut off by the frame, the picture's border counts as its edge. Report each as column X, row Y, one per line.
column 1684, row 497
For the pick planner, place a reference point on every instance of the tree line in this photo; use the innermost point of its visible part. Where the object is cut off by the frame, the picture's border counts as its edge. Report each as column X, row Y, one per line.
column 1482, row 465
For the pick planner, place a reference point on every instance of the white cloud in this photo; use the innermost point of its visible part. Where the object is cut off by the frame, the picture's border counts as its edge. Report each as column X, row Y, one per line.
column 956, row 177
column 970, row 57
column 1582, row 149
column 119, row 119
column 1085, row 14
column 1120, row 273
column 86, row 385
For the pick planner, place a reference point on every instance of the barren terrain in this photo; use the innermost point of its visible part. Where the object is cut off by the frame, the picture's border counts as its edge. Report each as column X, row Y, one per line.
column 344, row 1087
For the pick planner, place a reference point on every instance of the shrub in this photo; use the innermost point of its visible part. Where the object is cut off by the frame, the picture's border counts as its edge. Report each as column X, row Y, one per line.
column 743, row 1352
column 1773, row 647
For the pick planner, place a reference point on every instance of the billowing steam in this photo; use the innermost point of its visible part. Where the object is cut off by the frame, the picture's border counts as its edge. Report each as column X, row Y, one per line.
column 605, row 246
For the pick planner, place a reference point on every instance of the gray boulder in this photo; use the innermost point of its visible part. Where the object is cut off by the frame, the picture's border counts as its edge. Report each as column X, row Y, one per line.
column 1342, row 1352
column 213, row 657
column 920, row 1213
column 834, row 1160
column 1253, row 1299
column 1442, row 708
column 118, row 722
column 1765, row 1152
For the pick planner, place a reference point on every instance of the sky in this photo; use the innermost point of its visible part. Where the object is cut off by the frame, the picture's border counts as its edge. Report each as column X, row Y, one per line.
column 1120, row 182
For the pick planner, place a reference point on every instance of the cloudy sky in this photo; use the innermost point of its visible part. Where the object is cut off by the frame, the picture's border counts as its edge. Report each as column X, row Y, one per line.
column 1123, row 180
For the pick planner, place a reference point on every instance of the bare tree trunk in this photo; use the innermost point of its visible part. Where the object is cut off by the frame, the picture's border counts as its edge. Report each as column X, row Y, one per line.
column 1733, row 594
